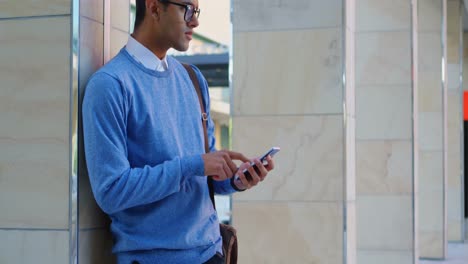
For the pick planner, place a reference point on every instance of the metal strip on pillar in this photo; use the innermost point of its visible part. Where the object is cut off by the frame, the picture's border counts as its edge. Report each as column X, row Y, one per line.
column 73, row 133
column 414, row 114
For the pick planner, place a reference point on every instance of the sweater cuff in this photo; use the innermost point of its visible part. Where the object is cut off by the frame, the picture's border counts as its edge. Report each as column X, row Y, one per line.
column 192, row 166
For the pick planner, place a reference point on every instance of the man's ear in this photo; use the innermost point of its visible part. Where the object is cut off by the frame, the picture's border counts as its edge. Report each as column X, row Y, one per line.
column 152, row 7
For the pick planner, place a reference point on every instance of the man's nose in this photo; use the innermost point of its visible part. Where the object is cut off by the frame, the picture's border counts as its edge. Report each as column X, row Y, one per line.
column 194, row 22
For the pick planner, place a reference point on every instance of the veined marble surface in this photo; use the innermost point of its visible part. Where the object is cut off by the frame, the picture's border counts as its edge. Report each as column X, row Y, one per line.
column 457, row 254
column 264, row 15
column 310, row 165
column 291, row 83
column 301, row 232
column 34, row 135
column 26, row 8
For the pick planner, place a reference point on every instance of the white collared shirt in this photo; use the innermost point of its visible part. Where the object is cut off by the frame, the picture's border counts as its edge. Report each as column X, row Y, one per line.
column 144, row 56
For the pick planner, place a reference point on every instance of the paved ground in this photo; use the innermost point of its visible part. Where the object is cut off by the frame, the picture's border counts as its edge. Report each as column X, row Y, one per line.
column 457, row 254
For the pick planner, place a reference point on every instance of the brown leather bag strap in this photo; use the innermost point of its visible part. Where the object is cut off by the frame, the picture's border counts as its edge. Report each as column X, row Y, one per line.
column 204, row 116
column 204, row 119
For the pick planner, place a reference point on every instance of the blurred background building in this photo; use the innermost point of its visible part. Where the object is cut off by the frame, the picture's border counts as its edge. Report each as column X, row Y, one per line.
column 365, row 98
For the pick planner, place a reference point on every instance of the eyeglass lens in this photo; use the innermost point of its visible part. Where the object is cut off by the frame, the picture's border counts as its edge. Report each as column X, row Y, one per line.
column 190, row 12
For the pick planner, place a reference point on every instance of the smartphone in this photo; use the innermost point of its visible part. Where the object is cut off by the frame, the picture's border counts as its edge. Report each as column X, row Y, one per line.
column 270, row 152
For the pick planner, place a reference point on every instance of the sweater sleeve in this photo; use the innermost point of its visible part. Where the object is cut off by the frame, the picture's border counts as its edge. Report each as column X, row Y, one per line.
column 220, row 187
column 115, row 184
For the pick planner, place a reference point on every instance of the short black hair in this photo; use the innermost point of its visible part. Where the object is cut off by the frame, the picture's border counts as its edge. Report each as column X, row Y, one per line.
column 140, row 12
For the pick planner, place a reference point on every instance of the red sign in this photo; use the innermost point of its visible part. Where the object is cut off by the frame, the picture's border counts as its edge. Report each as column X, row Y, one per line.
column 465, row 105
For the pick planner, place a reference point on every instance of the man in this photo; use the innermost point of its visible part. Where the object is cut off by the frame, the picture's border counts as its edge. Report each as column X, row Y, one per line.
column 144, row 145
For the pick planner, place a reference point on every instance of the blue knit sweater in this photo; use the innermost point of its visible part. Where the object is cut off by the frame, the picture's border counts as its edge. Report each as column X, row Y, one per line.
column 143, row 144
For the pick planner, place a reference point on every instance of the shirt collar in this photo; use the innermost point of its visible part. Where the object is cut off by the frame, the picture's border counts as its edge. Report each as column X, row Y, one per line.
column 144, row 56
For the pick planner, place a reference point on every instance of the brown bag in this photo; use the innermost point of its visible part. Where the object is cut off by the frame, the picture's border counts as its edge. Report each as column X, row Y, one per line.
column 228, row 233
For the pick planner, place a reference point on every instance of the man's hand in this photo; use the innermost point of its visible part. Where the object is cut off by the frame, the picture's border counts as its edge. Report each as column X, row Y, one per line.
column 220, row 164
column 256, row 175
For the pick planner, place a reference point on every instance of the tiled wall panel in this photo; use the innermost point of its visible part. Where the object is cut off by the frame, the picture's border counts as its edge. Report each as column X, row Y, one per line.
column 41, row 247
column 306, row 83
column 34, row 109
column 455, row 125
column 95, row 247
column 320, row 173
column 264, row 15
column 303, row 232
column 28, row 8
column 385, row 125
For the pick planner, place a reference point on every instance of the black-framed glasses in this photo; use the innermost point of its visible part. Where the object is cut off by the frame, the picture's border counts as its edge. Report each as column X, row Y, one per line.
column 190, row 10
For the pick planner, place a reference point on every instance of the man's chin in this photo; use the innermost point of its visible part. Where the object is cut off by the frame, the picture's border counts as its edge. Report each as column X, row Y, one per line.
column 183, row 48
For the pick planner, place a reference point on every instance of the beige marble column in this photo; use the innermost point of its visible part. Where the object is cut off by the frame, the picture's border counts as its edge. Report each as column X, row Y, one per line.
column 95, row 240
column 292, row 75
column 119, row 13
column 455, row 122
column 104, row 31
column 432, row 110
column 35, row 141
column 386, row 131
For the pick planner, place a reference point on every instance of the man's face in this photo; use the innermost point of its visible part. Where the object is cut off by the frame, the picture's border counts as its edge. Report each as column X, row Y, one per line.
column 176, row 32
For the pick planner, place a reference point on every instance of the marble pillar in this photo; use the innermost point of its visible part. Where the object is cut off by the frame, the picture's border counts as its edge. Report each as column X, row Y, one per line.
column 432, row 111
column 35, row 161
column 104, row 29
column 455, row 122
column 293, row 87
column 95, row 240
column 386, row 131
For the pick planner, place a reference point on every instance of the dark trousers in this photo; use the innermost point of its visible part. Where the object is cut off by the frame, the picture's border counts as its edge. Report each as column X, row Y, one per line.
column 216, row 259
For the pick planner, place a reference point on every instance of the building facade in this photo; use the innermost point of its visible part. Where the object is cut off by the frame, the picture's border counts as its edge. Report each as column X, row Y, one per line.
column 364, row 98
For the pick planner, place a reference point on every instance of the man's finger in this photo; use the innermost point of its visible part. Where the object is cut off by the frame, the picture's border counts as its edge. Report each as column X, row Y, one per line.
column 271, row 165
column 254, row 176
column 242, row 177
column 237, row 156
column 261, row 169
column 228, row 171
column 232, row 166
